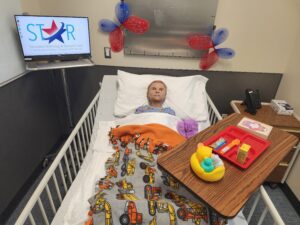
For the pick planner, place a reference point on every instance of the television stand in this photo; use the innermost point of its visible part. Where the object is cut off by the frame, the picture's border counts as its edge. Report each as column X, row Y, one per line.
column 46, row 65
column 62, row 65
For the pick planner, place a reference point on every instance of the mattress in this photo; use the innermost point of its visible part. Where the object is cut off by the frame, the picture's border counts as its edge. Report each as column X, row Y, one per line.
column 94, row 161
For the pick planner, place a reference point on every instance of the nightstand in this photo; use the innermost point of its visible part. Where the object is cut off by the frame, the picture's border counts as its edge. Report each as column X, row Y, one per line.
column 287, row 123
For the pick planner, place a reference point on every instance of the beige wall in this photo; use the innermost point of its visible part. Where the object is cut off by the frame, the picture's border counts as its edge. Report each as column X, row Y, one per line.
column 31, row 6
column 289, row 90
column 290, row 84
column 261, row 32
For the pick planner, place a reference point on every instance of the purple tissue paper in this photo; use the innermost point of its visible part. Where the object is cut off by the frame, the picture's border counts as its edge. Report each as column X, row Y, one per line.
column 187, row 127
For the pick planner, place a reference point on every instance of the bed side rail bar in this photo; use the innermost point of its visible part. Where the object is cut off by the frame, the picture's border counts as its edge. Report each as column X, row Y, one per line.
column 62, row 172
column 268, row 207
column 214, row 115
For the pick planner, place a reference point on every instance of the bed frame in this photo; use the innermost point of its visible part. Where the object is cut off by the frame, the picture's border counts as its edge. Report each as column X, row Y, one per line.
column 50, row 192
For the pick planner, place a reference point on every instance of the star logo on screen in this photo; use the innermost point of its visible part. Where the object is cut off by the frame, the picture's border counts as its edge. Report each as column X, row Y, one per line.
column 54, row 32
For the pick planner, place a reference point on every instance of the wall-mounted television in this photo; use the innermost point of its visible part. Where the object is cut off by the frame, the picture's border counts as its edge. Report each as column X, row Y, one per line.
column 53, row 37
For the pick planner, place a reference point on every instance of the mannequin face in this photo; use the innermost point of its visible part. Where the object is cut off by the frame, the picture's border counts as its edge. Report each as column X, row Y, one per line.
column 157, row 94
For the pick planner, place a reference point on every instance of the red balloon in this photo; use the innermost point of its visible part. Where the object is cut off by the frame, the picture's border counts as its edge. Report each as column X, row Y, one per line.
column 116, row 40
column 136, row 24
column 208, row 60
column 200, row 42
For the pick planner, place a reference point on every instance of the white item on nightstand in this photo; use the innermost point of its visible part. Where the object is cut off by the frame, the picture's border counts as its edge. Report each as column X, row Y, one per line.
column 281, row 107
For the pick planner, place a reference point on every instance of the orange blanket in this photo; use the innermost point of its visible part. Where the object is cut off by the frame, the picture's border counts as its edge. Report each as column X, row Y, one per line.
column 153, row 135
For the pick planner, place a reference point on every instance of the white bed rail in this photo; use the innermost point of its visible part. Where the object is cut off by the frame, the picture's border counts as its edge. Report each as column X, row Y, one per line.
column 214, row 115
column 268, row 206
column 54, row 185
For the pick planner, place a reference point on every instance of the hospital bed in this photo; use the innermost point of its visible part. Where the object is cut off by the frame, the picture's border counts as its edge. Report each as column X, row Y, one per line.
column 51, row 200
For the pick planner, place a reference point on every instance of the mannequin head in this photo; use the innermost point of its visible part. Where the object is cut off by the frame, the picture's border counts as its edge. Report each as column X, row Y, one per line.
column 156, row 93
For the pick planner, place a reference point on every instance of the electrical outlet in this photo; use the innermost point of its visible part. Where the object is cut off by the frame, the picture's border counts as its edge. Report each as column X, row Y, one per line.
column 107, row 52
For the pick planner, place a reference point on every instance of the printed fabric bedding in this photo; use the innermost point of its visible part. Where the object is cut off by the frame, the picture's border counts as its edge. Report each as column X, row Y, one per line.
column 134, row 190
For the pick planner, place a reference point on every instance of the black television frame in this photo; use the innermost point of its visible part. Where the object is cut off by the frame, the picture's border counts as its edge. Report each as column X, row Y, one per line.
column 55, row 57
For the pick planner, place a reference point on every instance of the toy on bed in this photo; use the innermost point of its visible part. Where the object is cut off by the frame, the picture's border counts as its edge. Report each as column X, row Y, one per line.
column 206, row 165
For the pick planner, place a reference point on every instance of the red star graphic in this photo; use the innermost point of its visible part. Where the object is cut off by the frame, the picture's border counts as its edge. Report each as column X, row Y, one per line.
column 51, row 30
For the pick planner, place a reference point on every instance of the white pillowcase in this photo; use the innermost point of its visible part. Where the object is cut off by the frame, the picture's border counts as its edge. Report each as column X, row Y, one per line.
column 185, row 95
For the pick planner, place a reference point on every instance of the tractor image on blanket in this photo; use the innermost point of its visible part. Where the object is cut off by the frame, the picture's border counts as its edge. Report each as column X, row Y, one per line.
column 152, row 194
column 195, row 213
column 110, row 169
column 99, row 205
column 104, row 184
column 179, row 200
column 125, row 187
column 160, row 149
column 111, row 172
column 148, row 157
column 128, row 168
column 126, row 191
column 149, row 176
column 188, row 209
column 131, row 215
column 170, row 181
column 164, row 207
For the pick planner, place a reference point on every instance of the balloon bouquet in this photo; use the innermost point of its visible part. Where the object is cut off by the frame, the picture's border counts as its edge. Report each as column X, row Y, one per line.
column 126, row 21
column 205, row 42
column 139, row 25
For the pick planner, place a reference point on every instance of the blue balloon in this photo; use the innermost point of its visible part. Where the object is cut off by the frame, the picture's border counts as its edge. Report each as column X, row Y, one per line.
column 122, row 11
column 219, row 36
column 225, row 53
column 107, row 25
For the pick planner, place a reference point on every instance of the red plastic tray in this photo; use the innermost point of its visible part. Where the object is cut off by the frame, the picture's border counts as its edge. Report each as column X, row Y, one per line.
column 258, row 145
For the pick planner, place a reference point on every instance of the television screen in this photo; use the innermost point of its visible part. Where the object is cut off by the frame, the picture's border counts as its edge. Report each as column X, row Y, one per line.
column 53, row 37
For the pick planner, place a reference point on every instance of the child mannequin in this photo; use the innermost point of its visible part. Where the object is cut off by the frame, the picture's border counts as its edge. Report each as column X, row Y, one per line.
column 156, row 95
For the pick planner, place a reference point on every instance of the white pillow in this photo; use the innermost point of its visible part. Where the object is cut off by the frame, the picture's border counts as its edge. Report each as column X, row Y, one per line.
column 185, row 95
